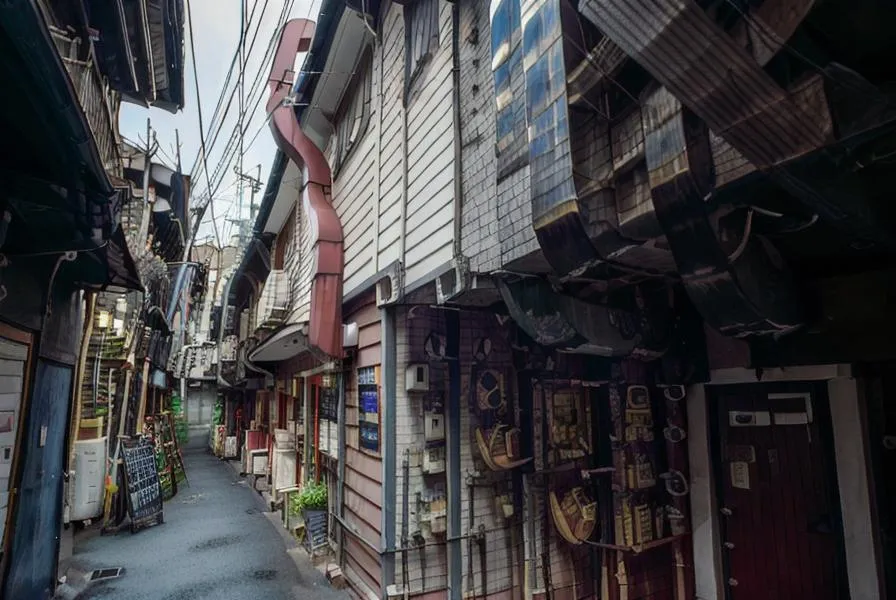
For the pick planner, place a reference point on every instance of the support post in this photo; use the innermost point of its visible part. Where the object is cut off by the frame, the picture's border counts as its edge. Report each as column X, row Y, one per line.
column 389, row 447
column 452, row 421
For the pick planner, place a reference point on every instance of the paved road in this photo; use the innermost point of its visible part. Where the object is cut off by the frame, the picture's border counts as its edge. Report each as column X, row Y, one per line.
column 215, row 544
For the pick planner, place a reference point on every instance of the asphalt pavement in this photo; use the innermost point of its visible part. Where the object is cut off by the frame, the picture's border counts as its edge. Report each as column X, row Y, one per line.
column 216, row 543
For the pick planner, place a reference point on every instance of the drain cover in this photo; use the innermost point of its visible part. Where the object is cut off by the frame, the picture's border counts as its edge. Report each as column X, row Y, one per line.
column 105, row 574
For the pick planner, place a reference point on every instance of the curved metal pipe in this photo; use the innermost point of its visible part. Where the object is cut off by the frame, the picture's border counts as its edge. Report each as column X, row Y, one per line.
column 325, row 325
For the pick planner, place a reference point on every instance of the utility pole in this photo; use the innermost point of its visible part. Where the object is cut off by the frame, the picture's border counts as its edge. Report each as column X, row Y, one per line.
column 147, row 167
column 254, row 187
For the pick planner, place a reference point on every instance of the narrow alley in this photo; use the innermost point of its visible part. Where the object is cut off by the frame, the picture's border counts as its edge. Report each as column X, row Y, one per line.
column 447, row 300
column 214, row 544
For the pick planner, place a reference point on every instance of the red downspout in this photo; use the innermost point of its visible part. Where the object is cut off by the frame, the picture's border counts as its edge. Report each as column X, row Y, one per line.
column 325, row 323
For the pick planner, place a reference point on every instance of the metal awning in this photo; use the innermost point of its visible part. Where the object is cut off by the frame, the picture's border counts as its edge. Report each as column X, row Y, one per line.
column 110, row 267
column 282, row 345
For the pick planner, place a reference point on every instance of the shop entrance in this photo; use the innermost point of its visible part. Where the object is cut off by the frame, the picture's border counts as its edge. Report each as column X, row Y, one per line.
column 782, row 537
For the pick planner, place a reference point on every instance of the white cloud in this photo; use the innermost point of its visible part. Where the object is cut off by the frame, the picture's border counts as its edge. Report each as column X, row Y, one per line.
column 216, row 25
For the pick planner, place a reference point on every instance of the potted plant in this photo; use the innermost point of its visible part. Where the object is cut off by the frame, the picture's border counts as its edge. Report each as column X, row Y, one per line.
column 311, row 499
column 311, row 503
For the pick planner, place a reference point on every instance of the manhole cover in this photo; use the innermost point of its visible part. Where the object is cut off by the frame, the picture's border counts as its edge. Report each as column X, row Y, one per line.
column 99, row 574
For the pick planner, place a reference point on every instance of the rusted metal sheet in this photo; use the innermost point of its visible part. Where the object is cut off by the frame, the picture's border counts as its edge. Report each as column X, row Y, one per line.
column 325, row 324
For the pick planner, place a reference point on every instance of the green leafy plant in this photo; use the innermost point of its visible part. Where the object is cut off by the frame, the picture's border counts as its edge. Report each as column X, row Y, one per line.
column 313, row 496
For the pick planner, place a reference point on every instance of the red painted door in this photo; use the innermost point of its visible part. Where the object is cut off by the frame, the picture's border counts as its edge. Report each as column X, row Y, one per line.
column 779, row 508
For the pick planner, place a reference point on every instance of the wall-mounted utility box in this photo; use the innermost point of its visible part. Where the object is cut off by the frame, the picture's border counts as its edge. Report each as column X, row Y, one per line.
column 417, row 378
column 434, row 460
column 433, row 426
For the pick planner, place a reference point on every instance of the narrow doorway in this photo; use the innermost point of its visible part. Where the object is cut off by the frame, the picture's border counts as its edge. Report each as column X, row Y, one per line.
column 782, row 537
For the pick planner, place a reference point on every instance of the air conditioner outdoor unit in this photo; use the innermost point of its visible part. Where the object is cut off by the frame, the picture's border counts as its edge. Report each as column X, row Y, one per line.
column 417, row 378
column 90, row 465
column 389, row 288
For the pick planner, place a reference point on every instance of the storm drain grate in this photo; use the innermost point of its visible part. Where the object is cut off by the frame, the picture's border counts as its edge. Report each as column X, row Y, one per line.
column 105, row 574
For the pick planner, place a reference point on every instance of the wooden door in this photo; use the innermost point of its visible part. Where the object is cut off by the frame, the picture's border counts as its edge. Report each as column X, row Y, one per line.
column 36, row 524
column 778, row 502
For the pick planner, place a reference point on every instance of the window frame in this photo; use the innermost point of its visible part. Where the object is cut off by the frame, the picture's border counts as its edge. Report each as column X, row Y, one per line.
column 355, row 113
column 417, row 52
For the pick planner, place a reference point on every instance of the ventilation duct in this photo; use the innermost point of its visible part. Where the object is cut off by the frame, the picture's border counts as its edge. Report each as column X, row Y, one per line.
column 589, row 194
column 570, row 325
column 734, row 277
column 714, row 76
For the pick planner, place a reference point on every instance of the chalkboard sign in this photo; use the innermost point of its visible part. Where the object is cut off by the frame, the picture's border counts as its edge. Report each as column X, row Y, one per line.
column 142, row 486
column 316, row 522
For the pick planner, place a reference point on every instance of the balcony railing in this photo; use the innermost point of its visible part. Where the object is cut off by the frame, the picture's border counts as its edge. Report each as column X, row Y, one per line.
column 97, row 100
column 273, row 304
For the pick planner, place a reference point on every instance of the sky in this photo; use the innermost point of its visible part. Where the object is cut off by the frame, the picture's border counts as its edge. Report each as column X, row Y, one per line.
column 216, row 25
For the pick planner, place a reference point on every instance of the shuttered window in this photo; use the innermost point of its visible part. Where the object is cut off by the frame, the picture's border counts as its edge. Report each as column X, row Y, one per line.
column 13, row 357
column 421, row 34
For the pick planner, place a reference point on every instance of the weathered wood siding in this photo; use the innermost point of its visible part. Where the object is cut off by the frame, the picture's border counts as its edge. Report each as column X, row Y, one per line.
column 430, row 194
column 363, row 470
column 298, row 264
column 390, row 55
column 354, row 198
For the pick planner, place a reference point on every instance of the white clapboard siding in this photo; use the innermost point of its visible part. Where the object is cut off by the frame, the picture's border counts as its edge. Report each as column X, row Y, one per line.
column 299, row 267
column 391, row 54
column 354, row 197
column 430, row 210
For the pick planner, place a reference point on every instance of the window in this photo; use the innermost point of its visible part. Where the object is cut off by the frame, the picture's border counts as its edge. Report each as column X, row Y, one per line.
column 283, row 241
column 355, row 112
column 421, row 36
column 369, row 409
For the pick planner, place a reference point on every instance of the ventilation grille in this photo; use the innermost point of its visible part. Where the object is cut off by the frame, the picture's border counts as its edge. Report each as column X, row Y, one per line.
column 106, row 574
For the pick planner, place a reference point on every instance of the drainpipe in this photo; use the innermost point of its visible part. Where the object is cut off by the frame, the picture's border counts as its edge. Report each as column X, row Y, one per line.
column 458, row 140
column 452, row 335
column 389, row 359
column 340, row 466
column 404, row 183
